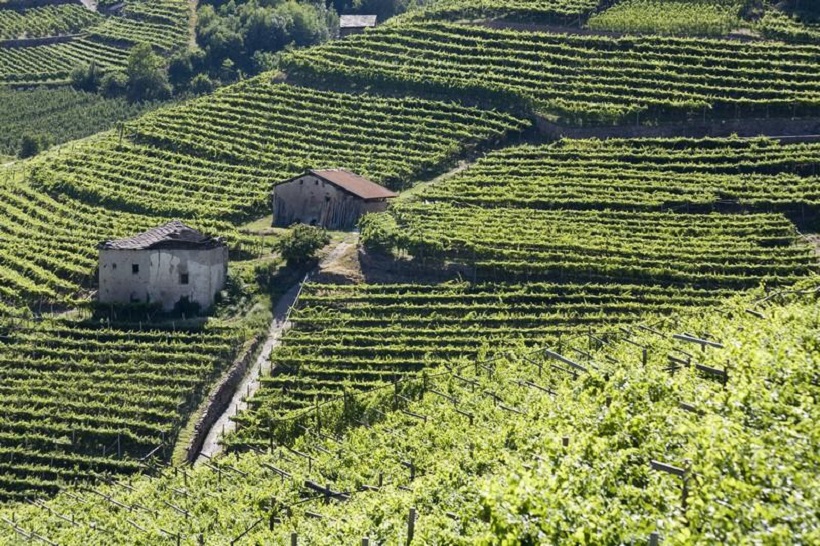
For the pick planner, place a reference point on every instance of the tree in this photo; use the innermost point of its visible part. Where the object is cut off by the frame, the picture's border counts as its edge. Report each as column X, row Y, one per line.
column 86, row 77
column 31, row 145
column 299, row 247
column 113, row 84
column 201, row 84
column 147, row 77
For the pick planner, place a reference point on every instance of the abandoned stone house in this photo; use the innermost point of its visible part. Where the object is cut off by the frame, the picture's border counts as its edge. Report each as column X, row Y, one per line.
column 355, row 24
column 168, row 265
column 332, row 199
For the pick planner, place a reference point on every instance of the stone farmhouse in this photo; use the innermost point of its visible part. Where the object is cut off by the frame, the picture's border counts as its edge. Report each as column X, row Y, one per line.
column 168, row 265
column 332, row 199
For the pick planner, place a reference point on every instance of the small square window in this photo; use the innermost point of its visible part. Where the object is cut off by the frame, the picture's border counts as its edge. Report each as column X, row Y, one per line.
column 113, row 266
column 135, row 268
column 183, row 278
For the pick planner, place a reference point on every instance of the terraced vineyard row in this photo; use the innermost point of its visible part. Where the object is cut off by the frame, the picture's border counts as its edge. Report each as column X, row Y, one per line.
column 220, row 155
column 362, row 336
column 520, row 449
column 161, row 23
column 578, row 79
column 49, row 20
column 564, row 12
column 80, row 399
column 605, row 246
column 53, row 63
column 643, row 174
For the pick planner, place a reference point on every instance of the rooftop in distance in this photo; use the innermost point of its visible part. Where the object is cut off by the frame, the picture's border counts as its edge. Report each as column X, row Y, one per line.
column 174, row 234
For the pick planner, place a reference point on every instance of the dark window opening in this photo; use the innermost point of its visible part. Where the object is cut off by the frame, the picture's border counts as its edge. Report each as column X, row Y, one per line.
column 135, row 268
column 113, row 266
column 183, row 278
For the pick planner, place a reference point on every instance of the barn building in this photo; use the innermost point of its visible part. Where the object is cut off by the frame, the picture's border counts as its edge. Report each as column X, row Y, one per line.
column 332, row 199
column 168, row 265
column 355, row 24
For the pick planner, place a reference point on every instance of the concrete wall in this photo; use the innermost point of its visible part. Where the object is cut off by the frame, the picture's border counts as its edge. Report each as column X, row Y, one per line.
column 311, row 200
column 159, row 278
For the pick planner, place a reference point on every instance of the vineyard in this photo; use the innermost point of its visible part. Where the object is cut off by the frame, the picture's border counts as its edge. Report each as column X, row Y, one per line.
column 49, row 20
column 79, row 400
column 646, row 174
column 257, row 133
column 603, row 246
column 537, row 343
column 103, row 40
column 563, row 12
column 48, row 248
column 161, row 23
column 644, row 434
column 360, row 337
column 62, row 114
column 574, row 78
column 52, row 63
column 777, row 25
column 676, row 17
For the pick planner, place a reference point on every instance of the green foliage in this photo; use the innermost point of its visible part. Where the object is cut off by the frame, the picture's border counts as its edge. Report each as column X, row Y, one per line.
column 147, row 76
column 558, row 12
column 378, row 232
column 98, row 396
column 676, row 17
column 575, row 79
column 300, row 245
column 733, row 250
column 86, row 78
column 224, row 151
column 643, row 174
column 31, row 145
column 360, row 337
column 113, row 84
column 781, row 26
column 63, row 113
column 490, row 461
column 201, row 84
column 239, row 32
column 44, row 21
column 105, row 41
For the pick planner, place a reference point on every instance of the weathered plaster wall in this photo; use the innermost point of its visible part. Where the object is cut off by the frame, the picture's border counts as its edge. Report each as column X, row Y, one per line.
column 160, row 275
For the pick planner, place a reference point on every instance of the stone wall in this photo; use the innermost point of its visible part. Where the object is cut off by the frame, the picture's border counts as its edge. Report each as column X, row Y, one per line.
column 791, row 130
column 220, row 397
column 31, row 42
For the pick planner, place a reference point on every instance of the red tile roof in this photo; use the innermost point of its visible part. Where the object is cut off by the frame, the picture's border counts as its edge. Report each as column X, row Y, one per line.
column 172, row 235
column 353, row 183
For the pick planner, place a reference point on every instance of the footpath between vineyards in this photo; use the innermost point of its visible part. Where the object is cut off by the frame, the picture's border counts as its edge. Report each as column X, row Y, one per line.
column 251, row 382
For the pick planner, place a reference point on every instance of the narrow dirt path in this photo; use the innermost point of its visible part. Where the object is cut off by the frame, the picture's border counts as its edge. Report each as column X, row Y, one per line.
column 251, row 382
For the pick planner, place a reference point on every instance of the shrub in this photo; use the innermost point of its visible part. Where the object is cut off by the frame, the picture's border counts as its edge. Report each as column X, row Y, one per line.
column 299, row 247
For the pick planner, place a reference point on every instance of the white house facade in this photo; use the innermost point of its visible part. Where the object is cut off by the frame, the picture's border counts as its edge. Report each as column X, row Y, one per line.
column 169, row 265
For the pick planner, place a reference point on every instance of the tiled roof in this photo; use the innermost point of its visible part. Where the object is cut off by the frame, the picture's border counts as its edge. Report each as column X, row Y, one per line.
column 173, row 235
column 353, row 183
column 357, row 21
